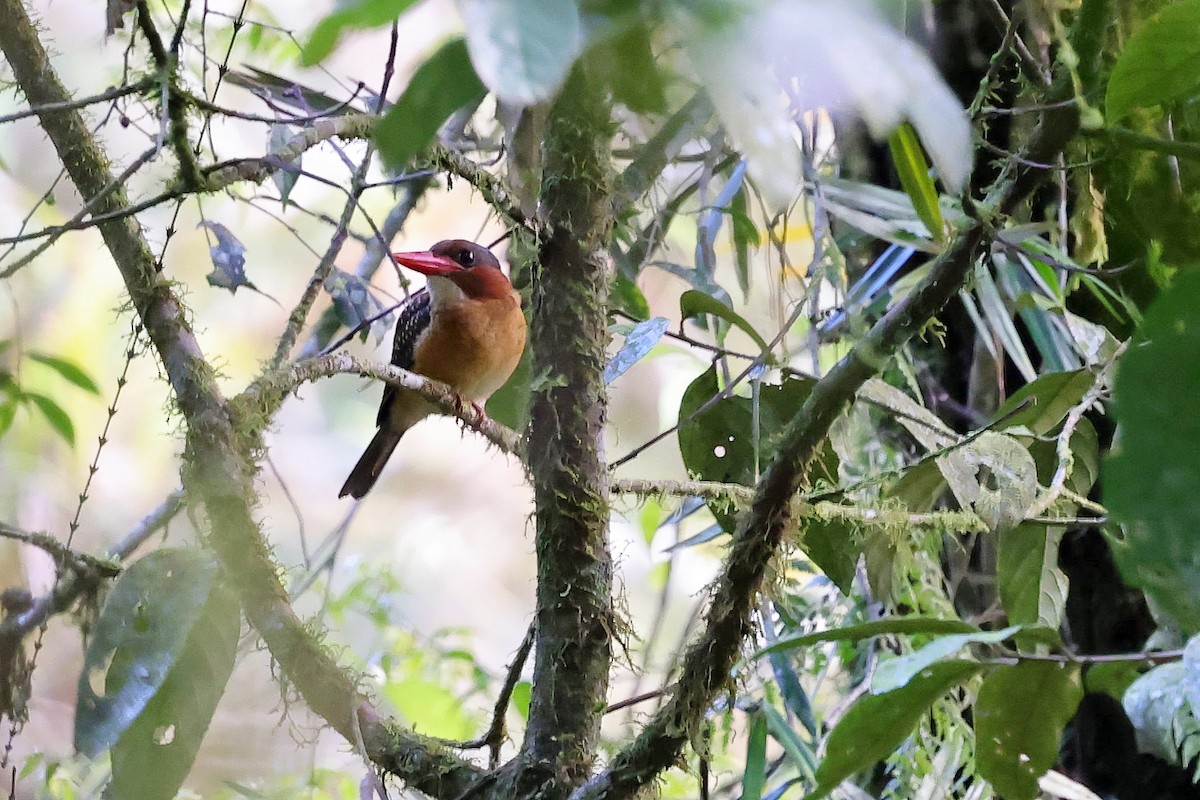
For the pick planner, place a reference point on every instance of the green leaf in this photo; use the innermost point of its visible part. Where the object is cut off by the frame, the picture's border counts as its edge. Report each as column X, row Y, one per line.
column 755, row 773
column 797, row 749
column 359, row 14
column 638, row 343
column 67, row 370
column 693, row 303
column 865, row 630
column 522, row 693
column 284, row 179
column 54, row 414
column 147, row 618
column 8, row 410
column 152, row 758
column 627, row 297
column 623, row 58
column 1046, row 401
column 1165, row 726
column 443, row 84
column 1032, row 587
column 913, row 170
column 745, row 236
column 876, row 725
column 834, row 546
column 1015, row 747
column 719, row 444
column 1150, row 479
column 522, row 49
column 897, row 672
column 1158, row 64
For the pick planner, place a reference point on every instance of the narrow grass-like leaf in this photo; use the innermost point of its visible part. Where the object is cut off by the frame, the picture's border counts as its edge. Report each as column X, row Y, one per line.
column 54, row 414
column 755, row 773
column 913, row 169
column 897, row 672
column 67, row 370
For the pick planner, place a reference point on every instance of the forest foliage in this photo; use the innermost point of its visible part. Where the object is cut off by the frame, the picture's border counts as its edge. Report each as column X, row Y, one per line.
column 985, row 354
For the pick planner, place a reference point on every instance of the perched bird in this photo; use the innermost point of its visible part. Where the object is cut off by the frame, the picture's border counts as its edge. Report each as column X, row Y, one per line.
column 464, row 329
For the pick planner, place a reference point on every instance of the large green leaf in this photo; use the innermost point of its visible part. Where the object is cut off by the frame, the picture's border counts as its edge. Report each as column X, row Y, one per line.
column 1160, row 63
column 1019, row 720
column 1150, row 479
column 1032, row 587
column 876, row 725
column 721, row 443
column 152, row 757
column 354, row 14
column 522, row 49
column 1041, row 405
column 147, row 620
column 1165, row 726
column 865, row 630
column 443, row 84
column 897, row 672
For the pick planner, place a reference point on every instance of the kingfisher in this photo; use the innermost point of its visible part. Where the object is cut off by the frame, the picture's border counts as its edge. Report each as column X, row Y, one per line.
column 465, row 329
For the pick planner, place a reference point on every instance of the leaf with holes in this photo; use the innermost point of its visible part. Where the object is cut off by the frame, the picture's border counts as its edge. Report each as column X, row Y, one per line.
column 152, row 757
column 143, row 628
column 1013, row 746
column 720, row 443
column 876, row 725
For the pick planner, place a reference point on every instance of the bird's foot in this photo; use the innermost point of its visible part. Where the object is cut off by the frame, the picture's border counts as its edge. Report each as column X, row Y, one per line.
column 460, row 406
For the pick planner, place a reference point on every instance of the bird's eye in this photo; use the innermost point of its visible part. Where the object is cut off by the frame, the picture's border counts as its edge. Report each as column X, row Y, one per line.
column 466, row 258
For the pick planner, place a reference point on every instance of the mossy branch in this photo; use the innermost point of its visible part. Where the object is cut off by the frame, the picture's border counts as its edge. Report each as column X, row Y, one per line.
column 219, row 462
column 568, row 335
column 264, row 398
column 708, row 661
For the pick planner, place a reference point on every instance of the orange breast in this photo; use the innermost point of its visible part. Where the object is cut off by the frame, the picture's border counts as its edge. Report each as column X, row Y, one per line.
column 474, row 345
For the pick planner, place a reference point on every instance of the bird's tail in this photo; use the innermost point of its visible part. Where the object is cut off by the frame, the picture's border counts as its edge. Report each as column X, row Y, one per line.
column 367, row 470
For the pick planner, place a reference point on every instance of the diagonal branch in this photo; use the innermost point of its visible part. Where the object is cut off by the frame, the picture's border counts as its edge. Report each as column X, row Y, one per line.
column 708, row 662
